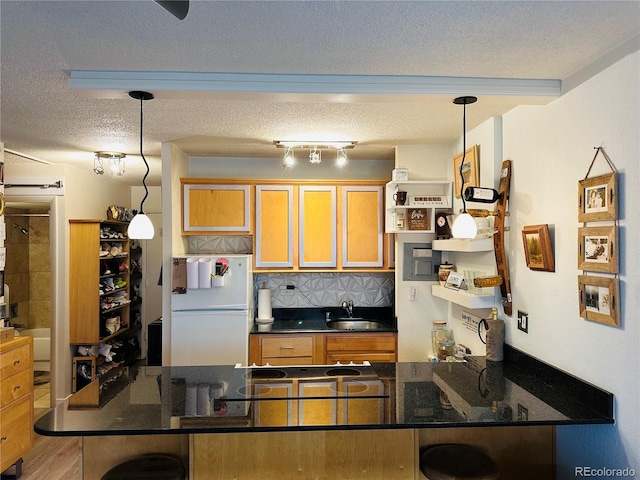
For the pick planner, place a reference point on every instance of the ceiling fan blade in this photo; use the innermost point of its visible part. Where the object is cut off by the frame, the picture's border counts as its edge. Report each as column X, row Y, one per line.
column 177, row 8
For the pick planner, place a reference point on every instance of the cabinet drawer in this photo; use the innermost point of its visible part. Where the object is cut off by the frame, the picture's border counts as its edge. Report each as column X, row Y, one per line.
column 14, row 387
column 359, row 357
column 15, row 361
column 287, row 346
column 15, row 431
column 354, row 342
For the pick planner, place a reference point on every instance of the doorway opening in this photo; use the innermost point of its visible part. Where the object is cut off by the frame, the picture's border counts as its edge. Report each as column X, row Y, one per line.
column 28, row 287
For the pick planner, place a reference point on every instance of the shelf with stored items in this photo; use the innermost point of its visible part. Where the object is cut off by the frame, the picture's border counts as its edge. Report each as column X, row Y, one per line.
column 102, row 338
column 460, row 297
column 418, row 211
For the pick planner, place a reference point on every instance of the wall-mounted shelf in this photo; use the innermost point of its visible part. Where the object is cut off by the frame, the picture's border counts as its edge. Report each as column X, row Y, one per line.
column 435, row 195
column 462, row 298
column 464, row 245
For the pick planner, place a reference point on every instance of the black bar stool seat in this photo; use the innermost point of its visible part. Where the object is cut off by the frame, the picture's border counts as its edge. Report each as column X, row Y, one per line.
column 457, row 462
column 148, row 467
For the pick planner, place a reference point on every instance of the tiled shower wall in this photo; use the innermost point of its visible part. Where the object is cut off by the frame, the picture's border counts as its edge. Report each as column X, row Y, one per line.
column 28, row 268
column 311, row 289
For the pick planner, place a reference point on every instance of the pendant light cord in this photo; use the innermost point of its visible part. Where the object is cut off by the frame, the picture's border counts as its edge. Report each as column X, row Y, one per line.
column 464, row 154
column 144, row 179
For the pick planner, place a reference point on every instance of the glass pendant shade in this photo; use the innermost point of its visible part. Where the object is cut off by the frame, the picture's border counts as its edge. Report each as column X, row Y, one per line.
column 464, row 226
column 141, row 227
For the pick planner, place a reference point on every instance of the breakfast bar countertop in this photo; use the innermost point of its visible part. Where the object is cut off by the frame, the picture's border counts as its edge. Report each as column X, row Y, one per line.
column 520, row 391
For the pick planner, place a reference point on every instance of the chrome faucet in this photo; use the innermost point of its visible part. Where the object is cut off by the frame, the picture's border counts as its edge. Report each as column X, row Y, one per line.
column 348, row 306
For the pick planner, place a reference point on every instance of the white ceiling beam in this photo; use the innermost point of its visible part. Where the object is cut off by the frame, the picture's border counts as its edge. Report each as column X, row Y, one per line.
column 116, row 84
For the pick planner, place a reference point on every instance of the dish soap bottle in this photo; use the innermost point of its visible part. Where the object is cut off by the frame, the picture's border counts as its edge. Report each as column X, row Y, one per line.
column 494, row 336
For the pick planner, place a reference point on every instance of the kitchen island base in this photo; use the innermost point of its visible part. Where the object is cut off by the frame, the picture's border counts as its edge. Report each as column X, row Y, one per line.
column 526, row 453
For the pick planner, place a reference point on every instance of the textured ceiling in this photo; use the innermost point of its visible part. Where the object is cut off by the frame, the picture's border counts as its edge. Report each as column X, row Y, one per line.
column 42, row 42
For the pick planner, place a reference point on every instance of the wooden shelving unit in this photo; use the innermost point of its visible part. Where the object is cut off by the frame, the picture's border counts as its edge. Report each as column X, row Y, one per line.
column 100, row 311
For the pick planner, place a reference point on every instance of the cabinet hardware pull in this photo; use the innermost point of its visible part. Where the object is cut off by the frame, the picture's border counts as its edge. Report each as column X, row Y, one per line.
column 283, row 347
column 17, row 387
column 16, row 362
column 3, row 439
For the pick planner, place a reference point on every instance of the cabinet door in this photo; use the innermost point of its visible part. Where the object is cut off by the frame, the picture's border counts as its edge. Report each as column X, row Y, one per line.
column 315, row 409
column 317, row 226
column 215, row 208
column 274, row 226
column 275, row 405
column 362, row 237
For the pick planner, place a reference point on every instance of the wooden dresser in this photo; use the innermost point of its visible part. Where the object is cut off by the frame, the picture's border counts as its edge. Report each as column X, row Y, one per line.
column 16, row 400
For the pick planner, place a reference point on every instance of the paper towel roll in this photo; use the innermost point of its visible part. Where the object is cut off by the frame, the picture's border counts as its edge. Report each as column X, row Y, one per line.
column 264, row 303
column 191, row 400
column 204, row 272
column 192, row 273
column 204, row 402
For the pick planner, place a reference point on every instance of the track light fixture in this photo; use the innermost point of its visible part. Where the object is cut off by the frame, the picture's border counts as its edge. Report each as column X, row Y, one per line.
column 342, row 160
column 315, row 156
column 289, row 159
column 116, row 163
column 315, row 151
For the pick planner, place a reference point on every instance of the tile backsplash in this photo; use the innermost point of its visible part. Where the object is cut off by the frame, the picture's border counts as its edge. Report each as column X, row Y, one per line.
column 311, row 289
column 327, row 289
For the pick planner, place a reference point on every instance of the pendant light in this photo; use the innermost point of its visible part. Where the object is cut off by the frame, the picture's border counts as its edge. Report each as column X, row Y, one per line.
column 464, row 225
column 141, row 226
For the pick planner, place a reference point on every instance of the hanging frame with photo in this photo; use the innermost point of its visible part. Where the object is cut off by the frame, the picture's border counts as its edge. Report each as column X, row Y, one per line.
column 599, row 299
column 537, row 248
column 598, row 249
column 598, row 196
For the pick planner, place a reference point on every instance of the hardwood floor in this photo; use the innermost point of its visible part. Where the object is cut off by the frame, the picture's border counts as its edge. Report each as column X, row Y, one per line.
column 51, row 458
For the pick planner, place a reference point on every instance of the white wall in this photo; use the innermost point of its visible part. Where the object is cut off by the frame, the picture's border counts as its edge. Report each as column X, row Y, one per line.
column 415, row 318
column 87, row 195
column 175, row 165
column 218, row 167
column 551, row 148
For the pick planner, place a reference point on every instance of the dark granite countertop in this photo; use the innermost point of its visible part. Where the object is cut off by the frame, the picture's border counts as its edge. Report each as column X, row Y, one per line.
column 213, row 399
column 314, row 320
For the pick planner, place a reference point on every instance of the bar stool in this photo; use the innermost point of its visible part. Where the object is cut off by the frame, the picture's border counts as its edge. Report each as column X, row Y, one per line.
column 148, row 467
column 457, row 462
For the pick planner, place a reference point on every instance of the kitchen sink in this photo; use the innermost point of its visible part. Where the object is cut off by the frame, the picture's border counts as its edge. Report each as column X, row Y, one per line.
column 354, row 323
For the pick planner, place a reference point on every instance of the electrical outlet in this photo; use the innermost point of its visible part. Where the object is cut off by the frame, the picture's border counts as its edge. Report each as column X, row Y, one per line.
column 288, row 290
column 523, row 321
column 412, row 294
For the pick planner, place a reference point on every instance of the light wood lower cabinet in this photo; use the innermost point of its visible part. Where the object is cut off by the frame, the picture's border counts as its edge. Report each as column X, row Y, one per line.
column 322, row 348
column 525, row 453
column 285, row 349
column 366, row 454
column 360, row 347
column 16, row 400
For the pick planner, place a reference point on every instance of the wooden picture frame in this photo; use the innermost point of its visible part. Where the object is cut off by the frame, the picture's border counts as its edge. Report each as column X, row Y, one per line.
column 598, row 198
column 470, row 170
column 598, row 249
column 537, row 248
column 599, row 299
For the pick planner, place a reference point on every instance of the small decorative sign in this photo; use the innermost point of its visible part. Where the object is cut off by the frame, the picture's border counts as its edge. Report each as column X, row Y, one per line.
column 455, row 281
column 429, row 201
column 418, row 219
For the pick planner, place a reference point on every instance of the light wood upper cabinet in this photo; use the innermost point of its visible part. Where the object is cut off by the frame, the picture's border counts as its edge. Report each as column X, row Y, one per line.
column 362, row 232
column 317, row 231
column 215, row 208
column 274, row 226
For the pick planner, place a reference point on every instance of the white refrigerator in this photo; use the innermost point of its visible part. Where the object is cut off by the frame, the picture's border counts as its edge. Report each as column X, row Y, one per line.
column 210, row 323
